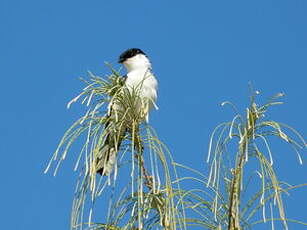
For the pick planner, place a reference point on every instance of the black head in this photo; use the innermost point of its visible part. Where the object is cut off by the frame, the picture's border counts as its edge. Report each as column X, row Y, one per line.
column 129, row 53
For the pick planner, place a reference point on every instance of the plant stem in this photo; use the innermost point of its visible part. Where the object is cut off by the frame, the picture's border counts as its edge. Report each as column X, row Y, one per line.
column 234, row 214
column 234, row 211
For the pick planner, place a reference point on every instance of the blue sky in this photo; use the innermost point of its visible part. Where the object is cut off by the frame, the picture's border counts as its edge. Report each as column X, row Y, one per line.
column 203, row 53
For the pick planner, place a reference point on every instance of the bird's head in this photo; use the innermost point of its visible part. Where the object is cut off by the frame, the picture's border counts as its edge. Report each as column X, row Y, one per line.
column 134, row 59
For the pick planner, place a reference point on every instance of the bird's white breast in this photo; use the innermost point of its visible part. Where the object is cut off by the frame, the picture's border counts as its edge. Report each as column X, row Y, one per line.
column 144, row 82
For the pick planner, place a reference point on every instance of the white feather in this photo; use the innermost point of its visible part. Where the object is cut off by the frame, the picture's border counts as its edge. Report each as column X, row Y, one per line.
column 140, row 78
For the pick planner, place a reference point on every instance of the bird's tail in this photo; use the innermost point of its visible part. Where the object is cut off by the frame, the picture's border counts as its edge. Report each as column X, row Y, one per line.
column 106, row 155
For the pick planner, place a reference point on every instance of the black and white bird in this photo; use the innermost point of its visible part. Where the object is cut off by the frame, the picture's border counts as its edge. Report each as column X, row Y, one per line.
column 139, row 78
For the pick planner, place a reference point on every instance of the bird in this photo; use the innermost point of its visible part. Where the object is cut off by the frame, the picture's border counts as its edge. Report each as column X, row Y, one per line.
column 140, row 79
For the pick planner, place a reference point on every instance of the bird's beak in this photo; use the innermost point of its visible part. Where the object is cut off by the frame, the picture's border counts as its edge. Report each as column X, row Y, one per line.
column 121, row 60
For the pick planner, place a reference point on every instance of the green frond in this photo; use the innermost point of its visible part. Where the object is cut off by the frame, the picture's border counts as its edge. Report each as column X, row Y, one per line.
column 149, row 197
column 232, row 145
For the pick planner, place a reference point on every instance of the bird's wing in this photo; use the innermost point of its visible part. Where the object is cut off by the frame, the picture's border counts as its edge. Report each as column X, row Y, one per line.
column 106, row 156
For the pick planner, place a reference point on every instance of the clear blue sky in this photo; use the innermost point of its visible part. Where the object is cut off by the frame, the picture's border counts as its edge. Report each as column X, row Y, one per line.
column 203, row 53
